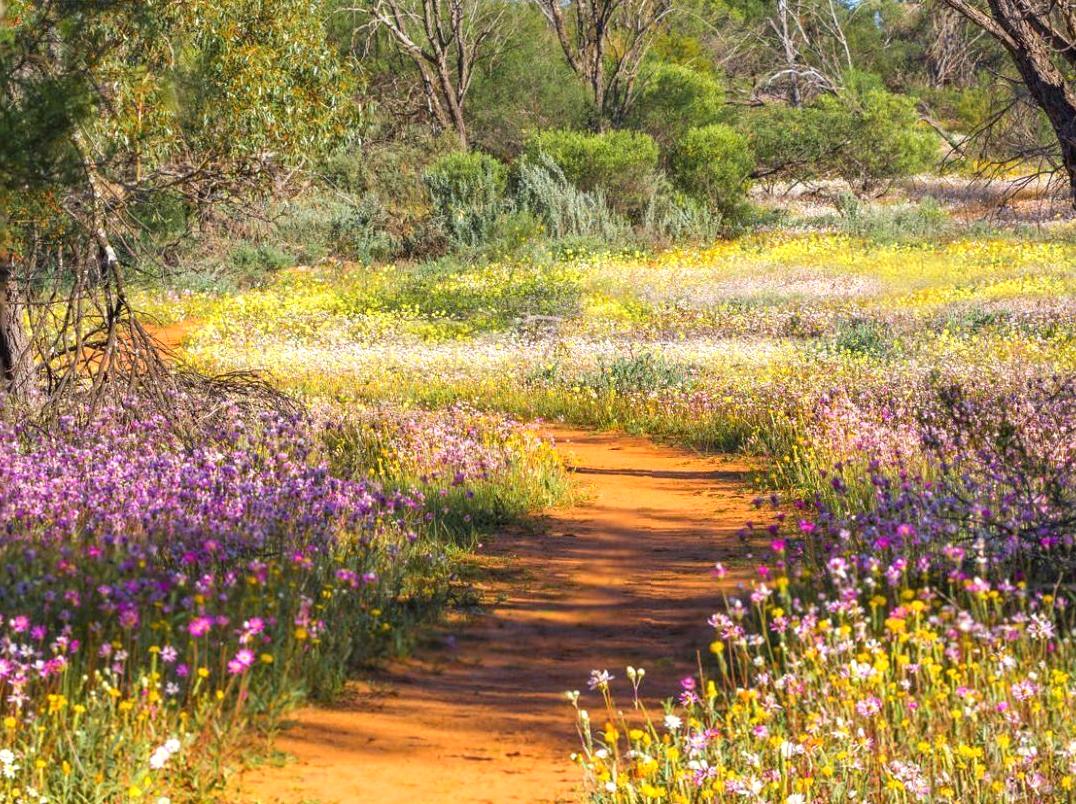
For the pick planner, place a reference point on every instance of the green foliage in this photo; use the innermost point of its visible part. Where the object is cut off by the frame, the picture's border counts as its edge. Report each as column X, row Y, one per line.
column 864, row 336
column 565, row 210
column 713, row 164
column 260, row 78
column 674, row 98
column 673, row 217
column 789, row 142
column 357, row 231
column 528, row 87
column 467, row 190
column 197, row 99
column 389, row 172
column 644, row 372
column 516, row 235
column 353, row 228
column 251, row 259
column 621, row 164
column 883, row 136
column 863, row 137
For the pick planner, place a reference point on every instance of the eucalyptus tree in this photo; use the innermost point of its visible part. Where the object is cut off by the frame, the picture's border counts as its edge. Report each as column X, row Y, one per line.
column 120, row 118
column 605, row 43
column 1040, row 37
column 445, row 40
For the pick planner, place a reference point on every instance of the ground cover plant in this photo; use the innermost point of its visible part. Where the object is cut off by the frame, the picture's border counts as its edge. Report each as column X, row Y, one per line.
column 909, row 635
column 917, row 650
column 162, row 598
column 810, row 348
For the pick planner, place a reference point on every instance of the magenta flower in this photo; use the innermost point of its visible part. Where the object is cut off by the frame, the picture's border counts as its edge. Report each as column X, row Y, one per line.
column 869, row 707
column 242, row 662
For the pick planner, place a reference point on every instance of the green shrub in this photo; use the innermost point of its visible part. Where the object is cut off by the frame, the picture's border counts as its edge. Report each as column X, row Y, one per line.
column 713, row 165
column 390, row 165
column 468, row 194
column 674, row 98
column 863, row 336
column 317, row 225
column 672, row 217
column 882, row 135
column 789, row 142
column 528, row 87
column 644, row 372
column 251, row 260
column 621, row 164
column 924, row 220
column 864, row 137
column 564, row 210
column 515, row 236
column 357, row 232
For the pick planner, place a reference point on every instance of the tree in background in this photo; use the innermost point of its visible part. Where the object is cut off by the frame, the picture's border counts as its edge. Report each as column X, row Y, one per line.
column 123, row 124
column 673, row 98
column 810, row 47
column 605, row 43
column 445, row 40
column 950, row 49
column 1041, row 40
column 529, row 87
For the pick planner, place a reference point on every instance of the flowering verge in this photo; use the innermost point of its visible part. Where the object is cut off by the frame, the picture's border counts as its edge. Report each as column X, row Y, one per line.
column 159, row 598
column 918, row 650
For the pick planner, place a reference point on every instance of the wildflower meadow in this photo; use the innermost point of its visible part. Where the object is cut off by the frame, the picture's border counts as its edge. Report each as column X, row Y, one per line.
column 490, row 402
column 162, row 598
column 907, row 633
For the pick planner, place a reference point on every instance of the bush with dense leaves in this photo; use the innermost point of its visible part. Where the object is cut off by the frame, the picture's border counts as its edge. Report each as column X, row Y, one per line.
column 864, row 137
column 883, row 137
column 468, row 194
column 713, row 164
column 674, row 98
column 621, row 164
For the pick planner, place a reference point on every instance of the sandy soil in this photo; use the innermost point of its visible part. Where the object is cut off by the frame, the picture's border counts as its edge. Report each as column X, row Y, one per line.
column 480, row 717
column 173, row 336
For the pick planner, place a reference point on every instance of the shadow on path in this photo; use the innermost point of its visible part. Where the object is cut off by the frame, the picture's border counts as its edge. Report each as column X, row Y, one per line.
column 481, row 717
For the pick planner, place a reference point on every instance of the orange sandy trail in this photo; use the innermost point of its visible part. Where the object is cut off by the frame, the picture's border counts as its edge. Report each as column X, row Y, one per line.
column 621, row 579
column 172, row 336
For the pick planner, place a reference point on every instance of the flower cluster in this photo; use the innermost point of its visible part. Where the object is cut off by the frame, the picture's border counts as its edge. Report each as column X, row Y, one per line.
column 918, row 650
column 156, row 595
column 812, row 349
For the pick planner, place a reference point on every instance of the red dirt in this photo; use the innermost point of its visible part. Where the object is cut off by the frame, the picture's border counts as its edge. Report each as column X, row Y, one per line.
column 173, row 336
column 620, row 579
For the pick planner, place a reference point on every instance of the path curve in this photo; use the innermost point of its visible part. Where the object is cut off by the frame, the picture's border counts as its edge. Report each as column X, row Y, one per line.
column 619, row 579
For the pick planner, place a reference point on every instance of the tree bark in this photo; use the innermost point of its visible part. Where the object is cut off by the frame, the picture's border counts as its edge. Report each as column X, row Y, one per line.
column 1057, row 100
column 455, row 108
column 1044, row 56
column 16, row 371
column 1059, row 104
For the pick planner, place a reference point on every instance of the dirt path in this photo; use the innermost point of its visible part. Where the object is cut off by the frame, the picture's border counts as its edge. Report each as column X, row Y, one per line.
column 621, row 579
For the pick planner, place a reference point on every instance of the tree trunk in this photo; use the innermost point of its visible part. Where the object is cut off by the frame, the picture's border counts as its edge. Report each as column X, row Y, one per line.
column 16, row 372
column 597, row 86
column 1028, row 35
column 791, row 57
column 1057, row 100
column 1068, row 154
column 1061, row 110
column 455, row 107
